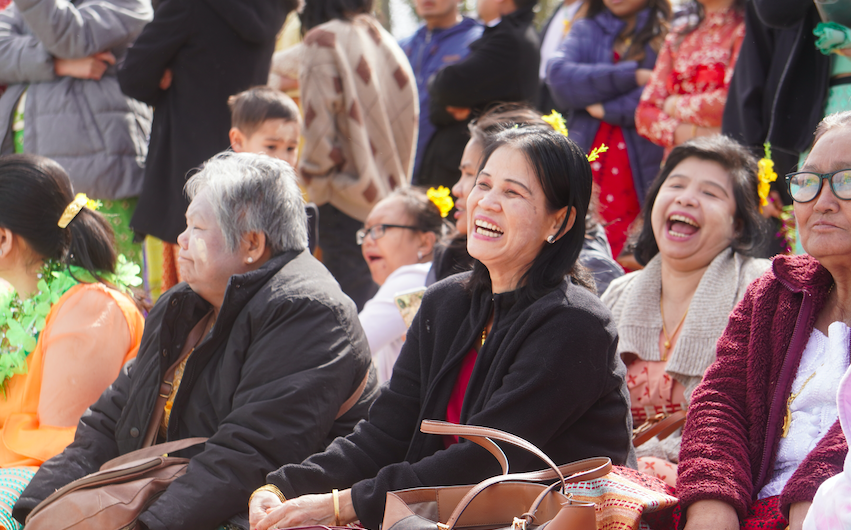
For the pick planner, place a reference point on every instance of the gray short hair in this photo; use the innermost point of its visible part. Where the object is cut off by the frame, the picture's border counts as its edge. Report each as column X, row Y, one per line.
column 837, row 120
column 253, row 193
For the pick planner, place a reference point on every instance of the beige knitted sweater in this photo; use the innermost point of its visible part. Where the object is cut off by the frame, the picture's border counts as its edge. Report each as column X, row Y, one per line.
column 360, row 115
column 634, row 301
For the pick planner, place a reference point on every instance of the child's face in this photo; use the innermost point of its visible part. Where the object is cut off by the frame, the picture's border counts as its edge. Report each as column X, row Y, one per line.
column 277, row 138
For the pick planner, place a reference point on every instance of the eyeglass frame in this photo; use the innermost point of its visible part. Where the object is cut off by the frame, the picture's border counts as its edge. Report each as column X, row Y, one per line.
column 822, row 177
column 360, row 235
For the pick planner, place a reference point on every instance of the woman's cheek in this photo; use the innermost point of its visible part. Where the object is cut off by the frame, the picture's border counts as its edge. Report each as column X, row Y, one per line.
column 200, row 250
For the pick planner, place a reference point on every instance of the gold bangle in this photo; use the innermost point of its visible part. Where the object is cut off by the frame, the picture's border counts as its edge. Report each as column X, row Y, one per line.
column 271, row 488
column 335, row 494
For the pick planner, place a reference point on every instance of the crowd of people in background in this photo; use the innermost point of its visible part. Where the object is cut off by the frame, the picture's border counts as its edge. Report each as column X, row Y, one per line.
column 270, row 224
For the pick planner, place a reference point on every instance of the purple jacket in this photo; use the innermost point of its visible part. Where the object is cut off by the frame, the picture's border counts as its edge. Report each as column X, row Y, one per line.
column 582, row 72
column 734, row 423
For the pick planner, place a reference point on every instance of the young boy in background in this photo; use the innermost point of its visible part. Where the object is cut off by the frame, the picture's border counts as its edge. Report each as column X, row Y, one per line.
column 264, row 120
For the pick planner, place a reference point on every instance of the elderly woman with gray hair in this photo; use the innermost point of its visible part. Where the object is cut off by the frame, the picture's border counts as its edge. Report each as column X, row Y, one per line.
column 264, row 353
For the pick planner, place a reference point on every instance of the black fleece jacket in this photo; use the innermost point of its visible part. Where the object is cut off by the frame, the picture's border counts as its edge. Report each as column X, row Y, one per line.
column 286, row 351
column 548, row 372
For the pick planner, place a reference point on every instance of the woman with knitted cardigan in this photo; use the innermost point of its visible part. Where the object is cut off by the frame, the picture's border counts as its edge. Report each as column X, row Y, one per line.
column 701, row 222
column 762, row 431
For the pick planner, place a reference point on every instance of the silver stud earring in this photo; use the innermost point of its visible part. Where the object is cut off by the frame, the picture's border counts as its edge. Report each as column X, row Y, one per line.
column 250, row 259
column 419, row 254
column 551, row 239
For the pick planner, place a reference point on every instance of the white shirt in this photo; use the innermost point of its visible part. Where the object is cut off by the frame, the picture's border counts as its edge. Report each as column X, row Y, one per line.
column 556, row 34
column 814, row 409
column 385, row 329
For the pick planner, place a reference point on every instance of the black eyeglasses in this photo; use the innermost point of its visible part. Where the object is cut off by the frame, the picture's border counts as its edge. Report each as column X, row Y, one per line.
column 377, row 231
column 805, row 186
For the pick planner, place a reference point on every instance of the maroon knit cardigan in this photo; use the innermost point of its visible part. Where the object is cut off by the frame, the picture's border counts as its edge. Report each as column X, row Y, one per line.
column 734, row 421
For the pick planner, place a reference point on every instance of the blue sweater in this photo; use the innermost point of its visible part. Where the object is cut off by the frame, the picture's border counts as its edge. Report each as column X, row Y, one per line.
column 582, row 72
column 429, row 51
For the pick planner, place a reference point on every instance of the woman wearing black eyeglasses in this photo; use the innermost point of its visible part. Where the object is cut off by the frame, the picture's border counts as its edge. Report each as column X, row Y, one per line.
column 763, row 431
column 397, row 242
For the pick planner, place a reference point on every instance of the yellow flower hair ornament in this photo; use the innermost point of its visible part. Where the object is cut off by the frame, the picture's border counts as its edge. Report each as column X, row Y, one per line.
column 766, row 176
column 556, row 121
column 80, row 201
column 441, row 198
column 595, row 153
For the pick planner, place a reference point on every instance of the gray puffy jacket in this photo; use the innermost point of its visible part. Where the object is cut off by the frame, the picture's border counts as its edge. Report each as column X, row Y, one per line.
column 99, row 135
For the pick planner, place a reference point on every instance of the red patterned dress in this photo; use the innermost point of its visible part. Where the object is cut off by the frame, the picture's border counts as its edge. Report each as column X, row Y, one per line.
column 698, row 67
column 618, row 202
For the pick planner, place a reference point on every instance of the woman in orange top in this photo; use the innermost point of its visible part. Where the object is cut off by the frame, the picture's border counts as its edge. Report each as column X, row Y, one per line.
column 65, row 331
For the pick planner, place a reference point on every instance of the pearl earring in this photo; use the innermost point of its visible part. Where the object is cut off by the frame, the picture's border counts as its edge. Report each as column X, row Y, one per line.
column 250, row 259
column 551, row 239
column 419, row 254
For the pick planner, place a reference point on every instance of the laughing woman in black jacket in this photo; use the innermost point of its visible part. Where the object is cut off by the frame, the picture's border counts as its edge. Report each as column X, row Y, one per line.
column 518, row 344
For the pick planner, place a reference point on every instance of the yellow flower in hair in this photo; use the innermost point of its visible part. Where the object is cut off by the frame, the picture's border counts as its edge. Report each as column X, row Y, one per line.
column 766, row 176
column 556, row 121
column 441, row 198
column 595, row 153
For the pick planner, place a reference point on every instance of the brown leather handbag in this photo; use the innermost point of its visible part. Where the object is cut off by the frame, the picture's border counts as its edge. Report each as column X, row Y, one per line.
column 113, row 497
column 520, row 501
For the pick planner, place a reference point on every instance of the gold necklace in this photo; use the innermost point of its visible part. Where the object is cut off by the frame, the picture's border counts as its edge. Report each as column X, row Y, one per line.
column 665, row 331
column 787, row 420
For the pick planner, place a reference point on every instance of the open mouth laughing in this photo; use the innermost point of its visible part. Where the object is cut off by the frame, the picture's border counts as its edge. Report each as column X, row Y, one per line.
column 486, row 229
column 682, row 226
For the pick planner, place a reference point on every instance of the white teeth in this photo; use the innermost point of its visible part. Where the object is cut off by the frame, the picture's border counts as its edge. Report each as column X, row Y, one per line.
column 488, row 227
column 677, row 234
column 683, row 219
column 486, row 233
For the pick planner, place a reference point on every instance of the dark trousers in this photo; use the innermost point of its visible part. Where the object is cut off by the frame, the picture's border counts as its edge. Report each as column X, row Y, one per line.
column 341, row 254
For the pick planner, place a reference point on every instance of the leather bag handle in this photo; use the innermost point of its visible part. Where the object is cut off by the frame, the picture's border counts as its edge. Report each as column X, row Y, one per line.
column 587, row 469
column 662, row 428
column 149, row 452
column 483, row 436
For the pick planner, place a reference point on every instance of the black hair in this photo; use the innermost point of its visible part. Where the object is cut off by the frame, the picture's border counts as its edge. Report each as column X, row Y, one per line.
column 564, row 174
column 318, row 12
column 500, row 117
column 34, row 192
column 250, row 108
column 425, row 215
column 652, row 33
column 695, row 15
column 741, row 165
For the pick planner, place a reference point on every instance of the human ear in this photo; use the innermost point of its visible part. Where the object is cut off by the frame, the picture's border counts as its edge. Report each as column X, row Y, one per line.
column 253, row 246
column 556, row 230
column 427, row 242
column 237, row 140
column 6, row 237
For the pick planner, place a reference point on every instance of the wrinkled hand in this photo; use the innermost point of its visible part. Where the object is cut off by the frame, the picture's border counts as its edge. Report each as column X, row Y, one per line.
column 670, row 106
column 596, row 110
column 797, row 513
column 166, row 79
column 459, row 113
column 261, row 504
column 711, row 515
column 844, row 51
column 642, row 76
column 86, row 68
column 306, row 510
column 775, row 205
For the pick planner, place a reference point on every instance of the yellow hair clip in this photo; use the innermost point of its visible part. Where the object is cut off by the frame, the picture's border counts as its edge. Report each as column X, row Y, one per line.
column 595, row 153
column 71, row 211
column 556, row 121
column 766, row 176
column 440, row 197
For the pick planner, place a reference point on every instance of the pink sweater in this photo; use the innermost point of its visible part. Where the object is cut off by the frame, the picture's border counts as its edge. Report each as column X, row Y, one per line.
column 730, row 440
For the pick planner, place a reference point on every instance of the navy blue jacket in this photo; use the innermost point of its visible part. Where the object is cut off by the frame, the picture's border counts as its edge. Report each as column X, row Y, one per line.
column 582, row 72
column 429, row 51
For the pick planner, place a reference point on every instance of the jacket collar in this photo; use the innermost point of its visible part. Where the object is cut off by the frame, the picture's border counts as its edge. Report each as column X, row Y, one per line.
column 801, row 272
column 442, row 33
